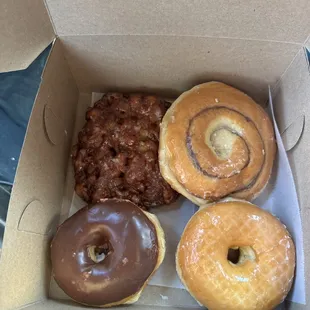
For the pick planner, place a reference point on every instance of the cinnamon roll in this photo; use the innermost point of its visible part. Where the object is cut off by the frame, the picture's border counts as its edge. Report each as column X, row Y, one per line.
column 215, row 141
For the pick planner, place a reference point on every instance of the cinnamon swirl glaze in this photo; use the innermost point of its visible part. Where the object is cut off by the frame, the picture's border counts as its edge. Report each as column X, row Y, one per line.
column 215, row 141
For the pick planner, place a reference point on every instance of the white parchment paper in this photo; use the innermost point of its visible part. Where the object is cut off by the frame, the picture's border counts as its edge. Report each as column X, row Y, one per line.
column 279, row 198
column 173, row 219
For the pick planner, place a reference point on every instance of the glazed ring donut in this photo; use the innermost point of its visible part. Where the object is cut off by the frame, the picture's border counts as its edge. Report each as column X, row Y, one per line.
column 215, row 141
column 105, row 254
column 262, row 275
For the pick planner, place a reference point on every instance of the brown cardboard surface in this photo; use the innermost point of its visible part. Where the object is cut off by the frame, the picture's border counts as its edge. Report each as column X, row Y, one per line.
column 24, row 268
column 171, row 47
column 279, row 20
column 292, row 99
column 26, row 31
column 37, row 193
column 170, row 65
column 82, row 105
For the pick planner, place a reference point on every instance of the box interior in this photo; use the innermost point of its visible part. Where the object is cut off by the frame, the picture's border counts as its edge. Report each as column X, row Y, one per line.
column 165, row 57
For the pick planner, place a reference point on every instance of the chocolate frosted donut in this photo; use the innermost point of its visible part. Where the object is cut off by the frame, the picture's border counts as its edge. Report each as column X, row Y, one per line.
column 104, row 254
column 216, row 142
column 117, row 151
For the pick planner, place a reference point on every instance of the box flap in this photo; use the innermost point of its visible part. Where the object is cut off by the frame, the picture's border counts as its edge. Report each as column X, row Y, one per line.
column 26, row 31
column 38, row 188
column 251, row 19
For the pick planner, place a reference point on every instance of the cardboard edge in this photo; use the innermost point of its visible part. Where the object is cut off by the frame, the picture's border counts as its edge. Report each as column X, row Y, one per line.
column 307, row 43
column 50, row 16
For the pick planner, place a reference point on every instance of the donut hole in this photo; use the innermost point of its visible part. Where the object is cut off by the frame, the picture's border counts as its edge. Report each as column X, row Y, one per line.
column 239, row 255
column 233, row 255
column 98, row 253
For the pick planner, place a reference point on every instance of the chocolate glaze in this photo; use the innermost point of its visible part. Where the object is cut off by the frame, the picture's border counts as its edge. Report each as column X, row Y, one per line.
column 127, row 239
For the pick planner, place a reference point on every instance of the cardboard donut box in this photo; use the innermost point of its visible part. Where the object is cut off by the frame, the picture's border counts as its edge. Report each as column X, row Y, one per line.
column 160, row 47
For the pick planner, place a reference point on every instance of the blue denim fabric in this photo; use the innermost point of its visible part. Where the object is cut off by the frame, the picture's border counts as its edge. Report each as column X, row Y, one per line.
column 17, row 94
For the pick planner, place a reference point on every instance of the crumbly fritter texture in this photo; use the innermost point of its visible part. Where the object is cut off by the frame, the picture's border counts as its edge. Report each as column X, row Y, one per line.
column 117, row 151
